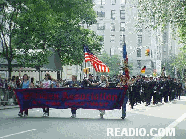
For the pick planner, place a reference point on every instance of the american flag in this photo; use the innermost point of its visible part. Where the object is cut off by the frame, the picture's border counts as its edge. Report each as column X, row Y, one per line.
column 98, row 65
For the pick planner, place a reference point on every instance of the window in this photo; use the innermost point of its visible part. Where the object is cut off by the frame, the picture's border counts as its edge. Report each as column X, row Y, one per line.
column 101, row 14
column 112, row 51
column 122, row 38
column 122, row 26
column 139, row 40
column 138, row 63
column 100, row 26
column 112, row 27
column 139, row 28
column 112, row 38
column 113, row 2
column 164, row 48
column 100, row 2
column 151, row 54
column 138, row 52
column 122, row 14
column 123, row 2
column 113, row 14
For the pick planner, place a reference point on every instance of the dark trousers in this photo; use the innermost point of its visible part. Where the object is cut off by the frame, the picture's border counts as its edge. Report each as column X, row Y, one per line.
column 46, row 110
column 172, row 95
column 26, row 112
column 165, row 95
column 138, row 97
column 131, row 99
column 148, row 98
column 155, row 98
column 179, row 93
column 143, row 97
column 73, row 110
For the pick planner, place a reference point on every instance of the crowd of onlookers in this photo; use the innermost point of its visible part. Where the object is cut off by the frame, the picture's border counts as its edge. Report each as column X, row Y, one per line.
column 7, row 86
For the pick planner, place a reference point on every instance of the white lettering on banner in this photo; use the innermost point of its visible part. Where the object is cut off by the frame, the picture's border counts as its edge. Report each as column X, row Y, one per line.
column 140, row 132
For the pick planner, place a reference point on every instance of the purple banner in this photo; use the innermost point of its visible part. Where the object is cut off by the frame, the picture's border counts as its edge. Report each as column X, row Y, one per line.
column 63, row 98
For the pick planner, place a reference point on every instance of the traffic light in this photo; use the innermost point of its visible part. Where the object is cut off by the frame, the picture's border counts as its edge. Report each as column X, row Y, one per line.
column 147, row 52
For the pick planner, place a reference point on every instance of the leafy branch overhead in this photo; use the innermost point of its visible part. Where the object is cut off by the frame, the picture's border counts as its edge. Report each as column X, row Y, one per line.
column 44, row 24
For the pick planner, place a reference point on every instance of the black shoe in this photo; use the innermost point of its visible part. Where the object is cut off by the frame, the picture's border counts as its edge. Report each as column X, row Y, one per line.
column 45, row 114
column 25, row 115
column 123, row 117
column 20, row 114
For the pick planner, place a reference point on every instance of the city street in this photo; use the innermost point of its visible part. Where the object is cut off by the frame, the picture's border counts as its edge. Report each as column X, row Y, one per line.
column 88, row 125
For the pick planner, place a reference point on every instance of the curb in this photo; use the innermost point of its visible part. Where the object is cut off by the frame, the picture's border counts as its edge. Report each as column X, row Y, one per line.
column 8, row 107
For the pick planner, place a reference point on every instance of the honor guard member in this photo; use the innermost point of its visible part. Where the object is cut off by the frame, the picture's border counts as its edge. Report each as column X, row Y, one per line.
column 142, row 88
column 131, row 91
column 155, row 88
column 137, row 90
column 174, row 88
column 169, row 87
column 179, row 89
column 151, row 85
column 166, row 90
column 160, row 87
column 146, row 91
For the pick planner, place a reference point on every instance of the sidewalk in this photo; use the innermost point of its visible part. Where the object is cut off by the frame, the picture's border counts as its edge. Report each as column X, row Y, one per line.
column 8, row 107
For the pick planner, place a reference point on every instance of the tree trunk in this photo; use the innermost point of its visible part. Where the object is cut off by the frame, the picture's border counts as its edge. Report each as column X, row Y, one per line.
column 9, row 69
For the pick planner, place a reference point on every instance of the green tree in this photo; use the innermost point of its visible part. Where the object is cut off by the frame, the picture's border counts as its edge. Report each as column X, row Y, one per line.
column 169, row 65
column 160, row 13
column 180, row 62
column 112, row 62
column 43, row 24
column 20, row 34
column 70, row 38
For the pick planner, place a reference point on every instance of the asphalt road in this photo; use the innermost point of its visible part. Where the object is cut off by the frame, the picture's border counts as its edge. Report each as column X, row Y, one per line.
column 88, row 125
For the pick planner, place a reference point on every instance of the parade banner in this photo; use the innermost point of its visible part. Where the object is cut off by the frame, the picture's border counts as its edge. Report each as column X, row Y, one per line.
column 63, row 98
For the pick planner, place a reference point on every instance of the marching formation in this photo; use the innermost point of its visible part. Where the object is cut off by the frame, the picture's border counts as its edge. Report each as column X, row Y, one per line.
column 143, row 89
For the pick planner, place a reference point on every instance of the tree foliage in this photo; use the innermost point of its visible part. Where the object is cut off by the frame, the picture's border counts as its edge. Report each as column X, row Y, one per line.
column 112, row 62
column 162, row 12
column 43, row 24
